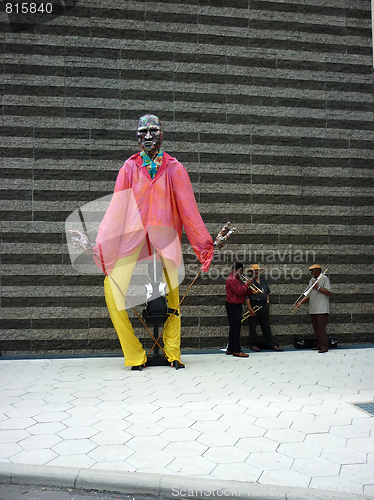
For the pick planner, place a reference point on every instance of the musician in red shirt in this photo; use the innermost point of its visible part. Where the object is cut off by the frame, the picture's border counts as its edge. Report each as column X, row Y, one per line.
column 235, row 296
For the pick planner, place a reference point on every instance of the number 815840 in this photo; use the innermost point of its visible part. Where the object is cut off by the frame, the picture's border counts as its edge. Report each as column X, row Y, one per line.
column 28, row 8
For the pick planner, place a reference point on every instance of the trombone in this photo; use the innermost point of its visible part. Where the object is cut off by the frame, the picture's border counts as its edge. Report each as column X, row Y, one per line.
column 253, row 287
column 247, row 313
column 307, row 291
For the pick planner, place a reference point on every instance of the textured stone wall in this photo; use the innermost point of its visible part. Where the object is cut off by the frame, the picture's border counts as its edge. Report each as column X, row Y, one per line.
column 269, row 105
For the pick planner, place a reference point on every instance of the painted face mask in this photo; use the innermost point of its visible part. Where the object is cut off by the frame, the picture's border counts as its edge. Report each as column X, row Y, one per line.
column 149, row 134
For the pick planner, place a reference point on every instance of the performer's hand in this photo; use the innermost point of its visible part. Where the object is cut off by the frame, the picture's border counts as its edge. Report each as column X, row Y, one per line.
column 251, row 312
column 249, row 282
column 223, row 236
column 81, row 241
column 298, row 304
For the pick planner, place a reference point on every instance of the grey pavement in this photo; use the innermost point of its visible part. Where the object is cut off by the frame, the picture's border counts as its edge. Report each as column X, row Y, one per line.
column 274, row 425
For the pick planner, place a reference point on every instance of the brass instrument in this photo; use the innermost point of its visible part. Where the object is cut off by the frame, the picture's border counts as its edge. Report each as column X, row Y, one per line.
column 307, row 291
column 247, row 313
column 253, row 287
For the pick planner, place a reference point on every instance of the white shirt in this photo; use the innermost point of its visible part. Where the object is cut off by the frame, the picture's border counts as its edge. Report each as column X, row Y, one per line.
column 318, row 302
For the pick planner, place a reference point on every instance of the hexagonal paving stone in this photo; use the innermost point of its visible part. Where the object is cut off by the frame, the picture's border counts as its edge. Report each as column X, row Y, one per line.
column 309, row 427
column 238, row 420
column 17, row 423
column 170, row 411
column 46, row 428
column 284, row 477
column 78, row 432
column 226, row 454
column 236, row 472
column 257, row 444
column 191, row 466
column 112, row 415
column 198, row 406
column 119, row 466
column 180, row 434
column 215, row 439
column 7, row 450
column 204, row 415
column 206, row 426
column 344, row 456
column 72, row 461
column 349, row 431
column 13, row 436
column 111, row 425
column 333, row 419
column 260, row 409
column 325, row 441
column 145, row 429
column 174, row 423
column 39, row 441
column 34, row 457
column 316, row 467
column 110, row 453
column 74, row 447
column 143, row 418
column 336, row 484
column 362, row 473
column 285, row 435
column 366, row 422
column 148, row 459
column 270, row 460
column 361, row 444
column 299, row 450
column 141, row 443
column 53, row 416
column 273, row 422
column 83, row 420
column 185, row 449
column 143, row 408
column 111, row 437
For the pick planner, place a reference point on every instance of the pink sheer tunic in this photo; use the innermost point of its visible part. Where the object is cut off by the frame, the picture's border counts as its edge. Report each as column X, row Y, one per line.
column 152, row 210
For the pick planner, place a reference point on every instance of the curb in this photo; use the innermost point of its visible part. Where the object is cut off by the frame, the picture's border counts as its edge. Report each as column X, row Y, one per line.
column 165, row 486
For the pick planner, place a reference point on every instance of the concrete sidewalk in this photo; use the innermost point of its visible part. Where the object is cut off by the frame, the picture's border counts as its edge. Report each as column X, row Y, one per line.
column 275, row 425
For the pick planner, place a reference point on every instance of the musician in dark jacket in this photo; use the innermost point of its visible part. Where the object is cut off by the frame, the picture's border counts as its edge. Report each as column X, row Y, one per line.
column 261, row 315
column 235, row 295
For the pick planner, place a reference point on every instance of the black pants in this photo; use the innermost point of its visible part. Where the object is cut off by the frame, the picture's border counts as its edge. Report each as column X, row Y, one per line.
column 319, row 323
column 262, row 318
column 234, row 315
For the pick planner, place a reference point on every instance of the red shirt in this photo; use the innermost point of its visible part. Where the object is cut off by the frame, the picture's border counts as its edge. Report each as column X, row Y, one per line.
column 235, row 290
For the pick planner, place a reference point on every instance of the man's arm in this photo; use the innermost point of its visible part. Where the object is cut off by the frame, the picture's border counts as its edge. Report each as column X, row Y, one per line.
column 249, row 307
column 197, row 234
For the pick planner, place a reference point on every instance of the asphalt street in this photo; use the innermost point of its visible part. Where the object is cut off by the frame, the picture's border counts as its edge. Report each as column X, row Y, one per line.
column 21, row 492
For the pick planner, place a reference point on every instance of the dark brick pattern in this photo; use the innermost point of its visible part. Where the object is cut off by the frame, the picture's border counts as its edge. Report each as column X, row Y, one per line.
column 269, row 104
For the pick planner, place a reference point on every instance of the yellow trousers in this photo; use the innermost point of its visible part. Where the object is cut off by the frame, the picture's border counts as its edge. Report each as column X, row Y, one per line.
column 132, row 348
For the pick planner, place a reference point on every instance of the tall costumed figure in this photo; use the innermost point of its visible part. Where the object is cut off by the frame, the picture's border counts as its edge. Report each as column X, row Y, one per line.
column 153, row 201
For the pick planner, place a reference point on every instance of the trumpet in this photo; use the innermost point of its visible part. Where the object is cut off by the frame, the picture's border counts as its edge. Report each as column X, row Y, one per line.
column 307, row 291
column 253, row 287
column 247, row 313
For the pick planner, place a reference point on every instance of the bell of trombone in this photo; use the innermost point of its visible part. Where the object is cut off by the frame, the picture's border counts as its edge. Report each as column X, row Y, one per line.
column 253, row 287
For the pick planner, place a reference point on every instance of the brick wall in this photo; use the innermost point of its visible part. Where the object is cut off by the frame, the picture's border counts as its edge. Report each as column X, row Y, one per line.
column 268, row 104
